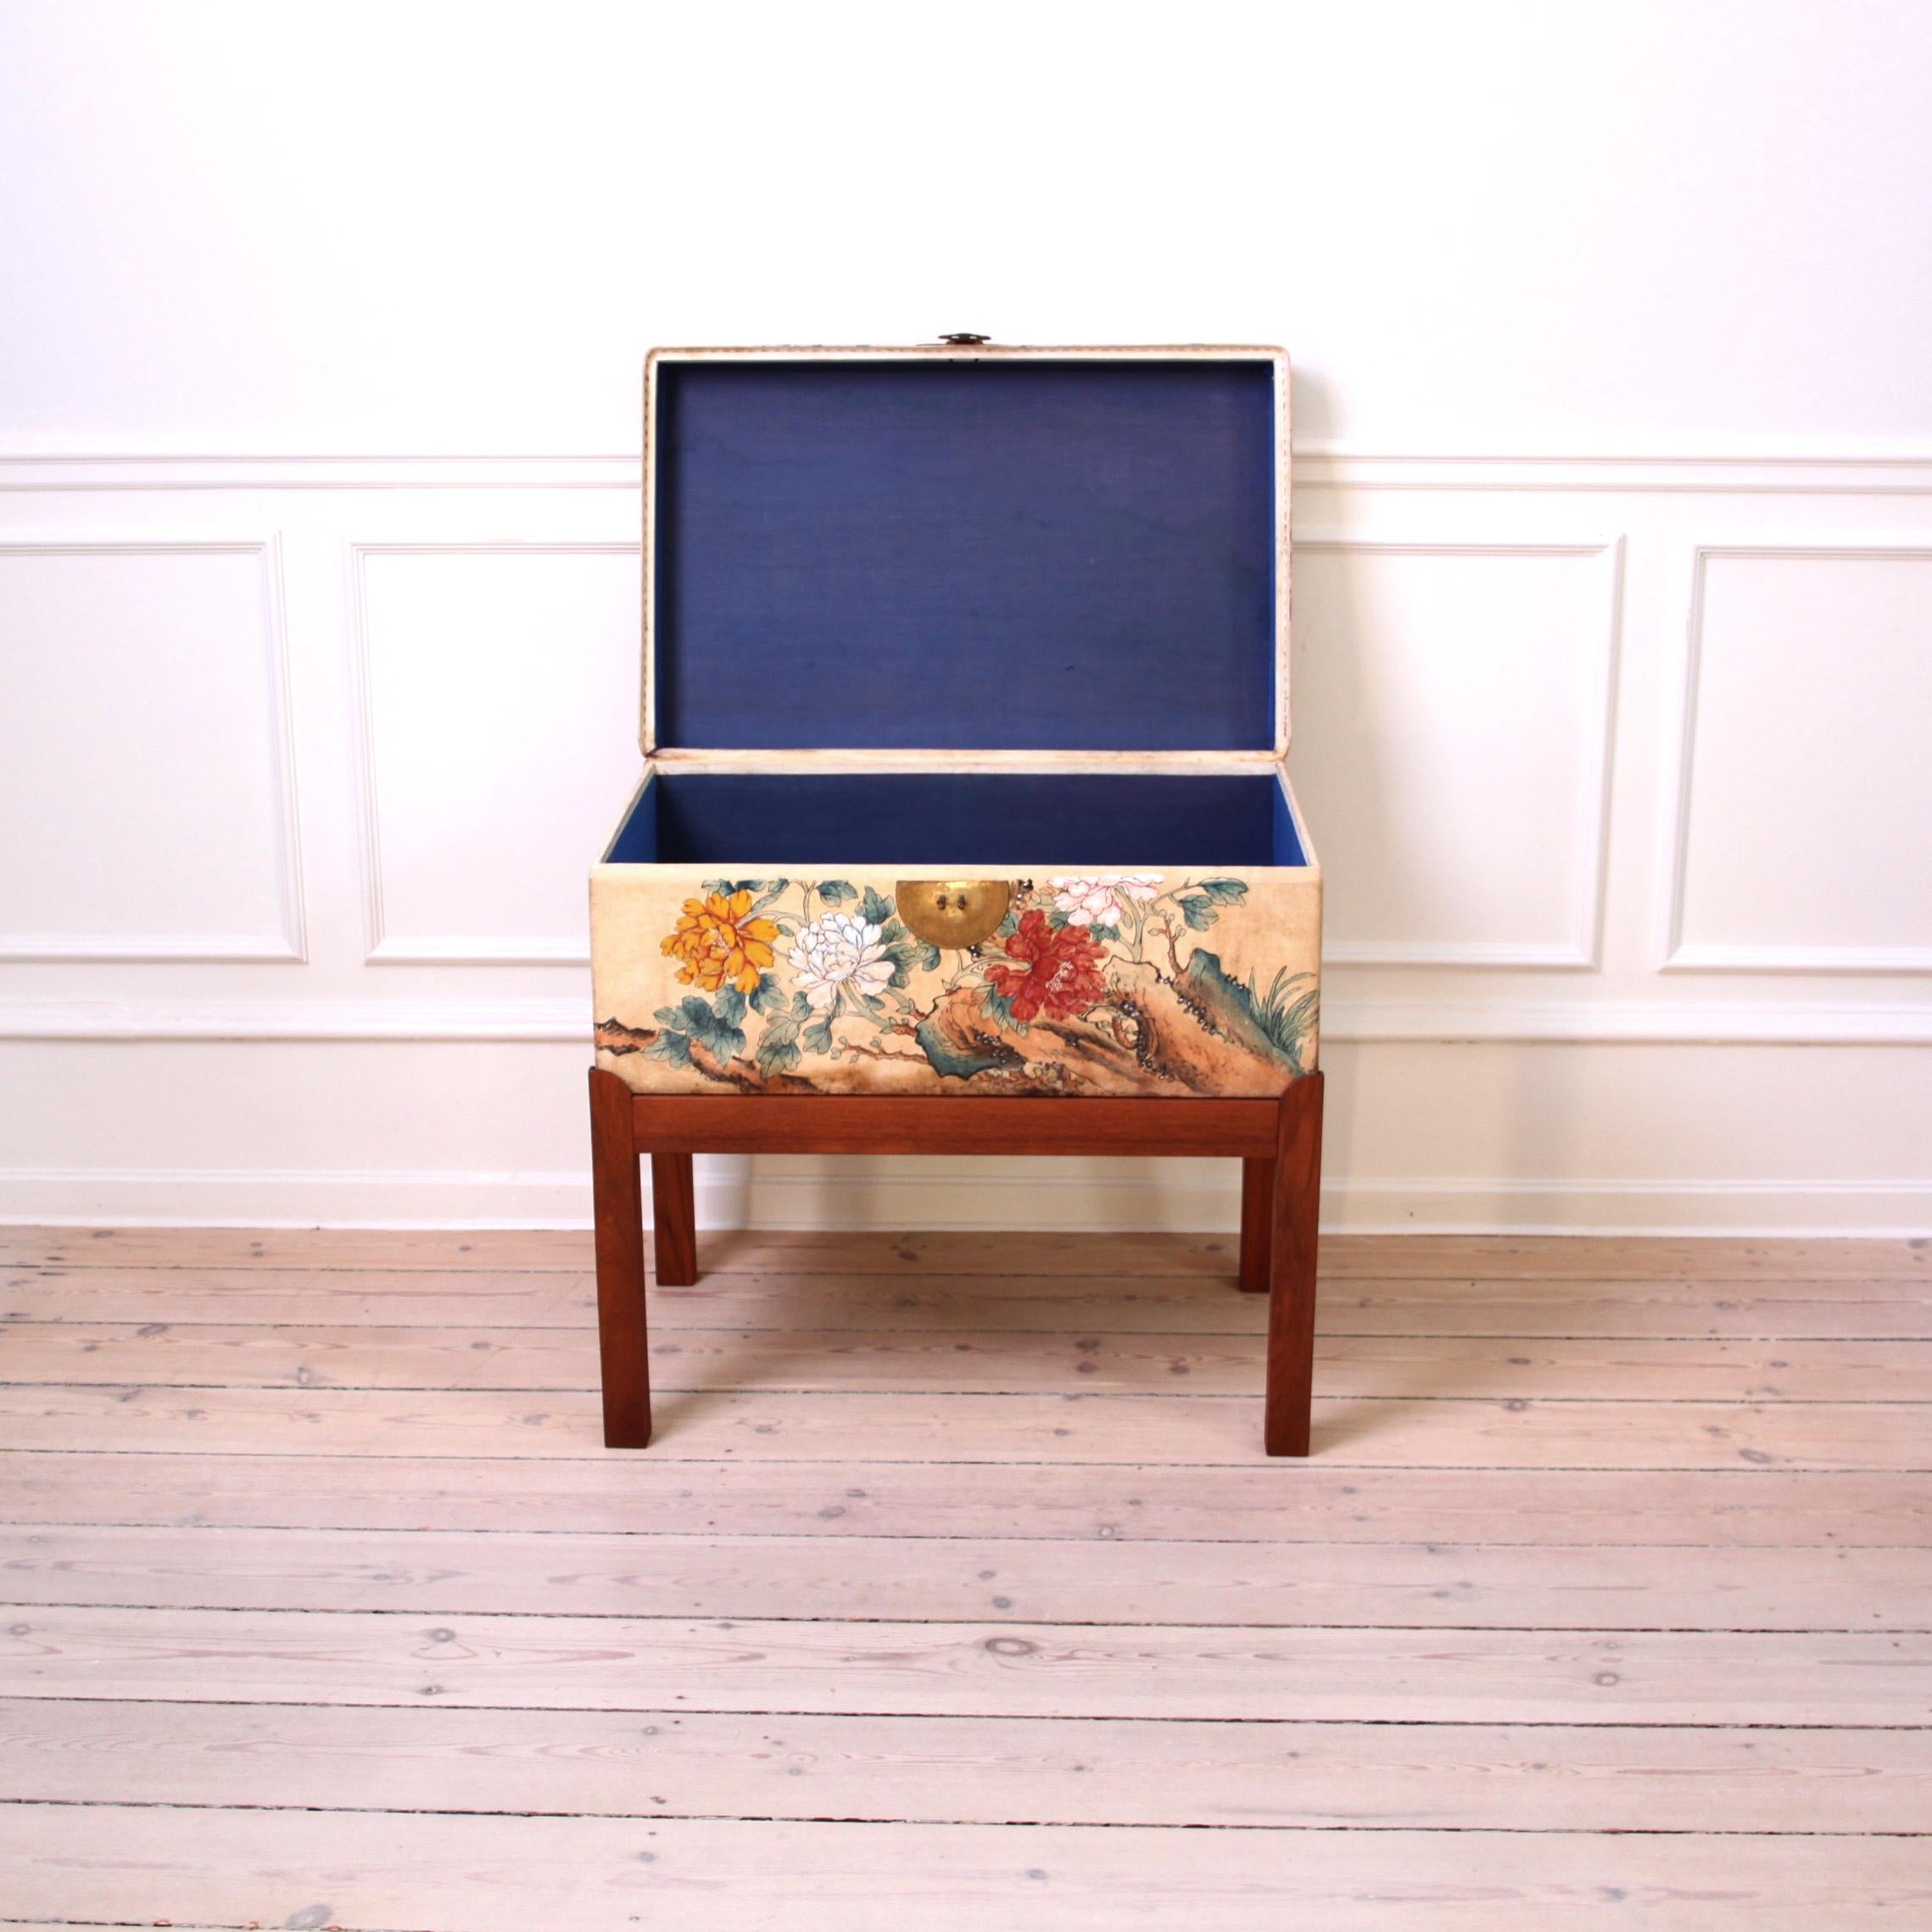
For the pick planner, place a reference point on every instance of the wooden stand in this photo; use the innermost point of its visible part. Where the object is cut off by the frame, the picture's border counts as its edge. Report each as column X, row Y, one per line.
column 1278, row 1143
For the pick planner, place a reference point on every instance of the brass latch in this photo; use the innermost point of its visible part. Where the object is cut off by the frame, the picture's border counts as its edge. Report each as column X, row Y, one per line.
column 952, row 911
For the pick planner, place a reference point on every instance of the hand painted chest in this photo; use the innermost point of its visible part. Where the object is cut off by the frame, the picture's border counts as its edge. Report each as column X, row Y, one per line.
column 964, row 822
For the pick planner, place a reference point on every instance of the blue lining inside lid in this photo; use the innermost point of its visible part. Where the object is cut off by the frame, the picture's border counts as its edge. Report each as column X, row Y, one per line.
column 1026, row 554
column 824, row 820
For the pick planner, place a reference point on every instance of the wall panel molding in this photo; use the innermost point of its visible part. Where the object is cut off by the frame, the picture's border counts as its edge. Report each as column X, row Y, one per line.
column 381, row 946
column 1673, row 953
column 1745, row 467
column 288, row 944
column 1582, row 951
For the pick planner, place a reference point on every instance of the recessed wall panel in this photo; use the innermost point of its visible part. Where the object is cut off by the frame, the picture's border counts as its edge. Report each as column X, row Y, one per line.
column 1805, row 829
column 144, row 788
column 1451, row 715
column 498, row 686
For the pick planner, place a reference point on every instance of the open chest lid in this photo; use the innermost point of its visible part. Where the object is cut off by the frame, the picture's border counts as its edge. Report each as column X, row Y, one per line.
column 966, row 548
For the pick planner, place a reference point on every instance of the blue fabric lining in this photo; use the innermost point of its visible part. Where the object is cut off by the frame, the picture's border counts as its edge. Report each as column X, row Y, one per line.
column 1073, row 819
column 1286, row 839
column 1028, row 554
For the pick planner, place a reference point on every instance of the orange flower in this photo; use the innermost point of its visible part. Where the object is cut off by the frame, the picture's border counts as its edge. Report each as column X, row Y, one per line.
column 718, row 943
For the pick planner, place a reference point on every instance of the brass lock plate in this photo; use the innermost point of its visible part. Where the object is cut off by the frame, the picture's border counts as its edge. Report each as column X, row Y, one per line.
column 952, row 911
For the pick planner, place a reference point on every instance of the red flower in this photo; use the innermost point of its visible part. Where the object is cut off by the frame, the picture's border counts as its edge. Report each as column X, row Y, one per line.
column 1059, row 974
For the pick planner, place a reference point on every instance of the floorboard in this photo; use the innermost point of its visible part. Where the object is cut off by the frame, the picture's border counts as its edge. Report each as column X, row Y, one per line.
column 380, row 1870
column 1414, row 1430
column 1844, row 1308
column 822, row 1361
column 929, row 1668
column 996, row 1770
column 591, row 1573
column 1745, row 1503
column 955, row 1591
column 1127, row 1255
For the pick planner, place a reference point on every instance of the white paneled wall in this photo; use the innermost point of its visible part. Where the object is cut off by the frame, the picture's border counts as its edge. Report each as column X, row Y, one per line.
column 1616, row 769
column 1616, row 756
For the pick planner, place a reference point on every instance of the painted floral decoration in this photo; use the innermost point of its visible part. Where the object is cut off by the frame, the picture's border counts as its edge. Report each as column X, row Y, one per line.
column 1058, row 974
column 813, row 985
column 838, row 950
column 720, row 944
column 1102, row 900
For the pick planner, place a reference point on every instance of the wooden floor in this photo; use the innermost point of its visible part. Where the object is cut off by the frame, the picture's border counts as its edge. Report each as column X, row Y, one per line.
column 955, row 1592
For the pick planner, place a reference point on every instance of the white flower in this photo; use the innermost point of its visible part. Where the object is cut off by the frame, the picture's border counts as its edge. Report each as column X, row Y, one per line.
column 836, row 951
column 1098, row 901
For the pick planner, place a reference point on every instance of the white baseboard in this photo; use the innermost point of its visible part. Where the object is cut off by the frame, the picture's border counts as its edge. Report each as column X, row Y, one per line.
column 1611, row 1207
column 291, row 1197
column 939, row 1193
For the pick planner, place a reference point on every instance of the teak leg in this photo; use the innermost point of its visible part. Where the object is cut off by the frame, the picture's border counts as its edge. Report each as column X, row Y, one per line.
column 673, row 1220
column 618, row 1198
column 1291, row 1304
column 1280, row 1198
column 1257, row 1222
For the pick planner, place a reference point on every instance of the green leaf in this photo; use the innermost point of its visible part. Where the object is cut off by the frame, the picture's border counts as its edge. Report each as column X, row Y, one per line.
column 800, row 1008
column 1285, row 1017
column 1010, row 925
column 929, row 958
column 836, row 891
column 1198, row 910
column 669, row 1016
column 767, row 998
column 1225, row 891
column 778, row 1046
column 875, row 910
column 818, row 1037
column 718, row 1032
column 903, row 955
column 727, row 1042
column 673, row 1047
column 999, row 1010
column 776, row 1057
column 1105, row 934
